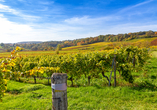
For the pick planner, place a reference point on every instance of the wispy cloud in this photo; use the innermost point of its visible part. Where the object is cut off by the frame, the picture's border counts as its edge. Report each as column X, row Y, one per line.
column 21, row 0
column 119, row 16
column 131, row 27
column 134, row 6
column 4, row 8
column 2, row 0
column 46, row 3
column 86, row 20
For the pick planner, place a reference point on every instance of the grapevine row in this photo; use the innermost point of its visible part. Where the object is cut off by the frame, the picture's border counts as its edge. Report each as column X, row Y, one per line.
column 89, row 64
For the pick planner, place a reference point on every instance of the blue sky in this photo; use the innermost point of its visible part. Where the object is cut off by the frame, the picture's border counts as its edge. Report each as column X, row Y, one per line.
column 51, row 20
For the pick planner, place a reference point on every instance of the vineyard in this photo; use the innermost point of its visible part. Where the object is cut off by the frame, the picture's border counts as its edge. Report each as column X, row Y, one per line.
column 87, row 64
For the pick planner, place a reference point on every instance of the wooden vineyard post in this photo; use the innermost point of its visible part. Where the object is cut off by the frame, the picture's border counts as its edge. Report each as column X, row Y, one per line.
column 114, row 70
column 35, row 79
column 59, row 91
column 133, row 61
column 114, row 67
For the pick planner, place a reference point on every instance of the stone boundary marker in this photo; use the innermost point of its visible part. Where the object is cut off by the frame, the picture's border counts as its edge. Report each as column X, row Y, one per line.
column 59, row 91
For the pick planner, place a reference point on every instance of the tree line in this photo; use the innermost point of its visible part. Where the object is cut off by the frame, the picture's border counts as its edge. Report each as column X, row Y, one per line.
column 52, row 45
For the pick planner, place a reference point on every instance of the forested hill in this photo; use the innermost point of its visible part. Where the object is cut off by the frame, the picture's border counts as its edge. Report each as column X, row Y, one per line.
column 51, row 45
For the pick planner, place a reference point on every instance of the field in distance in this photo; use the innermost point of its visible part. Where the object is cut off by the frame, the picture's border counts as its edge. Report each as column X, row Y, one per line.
column 100, row 46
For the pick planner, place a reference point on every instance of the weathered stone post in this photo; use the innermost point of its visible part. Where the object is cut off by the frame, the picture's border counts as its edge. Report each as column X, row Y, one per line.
column 59, row 91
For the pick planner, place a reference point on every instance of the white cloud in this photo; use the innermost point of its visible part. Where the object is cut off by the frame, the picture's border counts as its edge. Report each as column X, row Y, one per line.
column 2, row 0
column 76, row 20
column 4, row 8
column 129, row 27
column 10, row 31
column 90, row 21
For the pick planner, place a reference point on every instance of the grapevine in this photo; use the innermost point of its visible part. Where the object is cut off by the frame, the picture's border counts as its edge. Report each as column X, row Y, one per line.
column 89, row 64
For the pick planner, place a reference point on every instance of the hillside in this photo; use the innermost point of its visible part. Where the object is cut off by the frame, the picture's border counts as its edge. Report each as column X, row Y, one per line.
column 51, row 45
column 99, row 46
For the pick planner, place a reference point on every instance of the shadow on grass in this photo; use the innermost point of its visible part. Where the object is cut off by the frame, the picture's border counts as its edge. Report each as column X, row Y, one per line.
column 32, row 82
column 14, row 91
column 97, row 86
column 153, row 77
column 145, row 86
column 26, row 88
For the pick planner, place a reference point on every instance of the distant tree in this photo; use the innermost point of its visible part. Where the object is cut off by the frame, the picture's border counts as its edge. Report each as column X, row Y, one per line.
column 78, row 43
column 57, row 52
column 129, row 33
column 45, row 49
column 96, row 39
column 34, row 48
column 8, row 50
column 51, row 48
column 59, row 47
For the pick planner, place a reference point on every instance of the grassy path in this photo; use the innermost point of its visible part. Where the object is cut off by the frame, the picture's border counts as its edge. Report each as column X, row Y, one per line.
column 25, row 96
